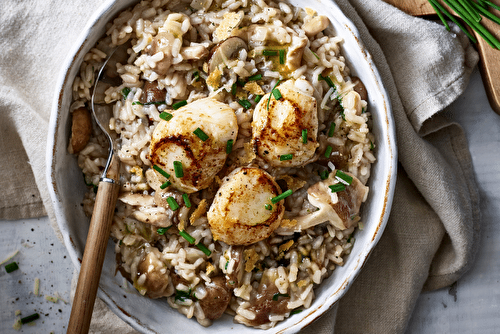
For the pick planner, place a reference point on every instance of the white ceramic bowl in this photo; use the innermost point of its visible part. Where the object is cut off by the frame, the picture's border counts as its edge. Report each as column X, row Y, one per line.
column 156, row 316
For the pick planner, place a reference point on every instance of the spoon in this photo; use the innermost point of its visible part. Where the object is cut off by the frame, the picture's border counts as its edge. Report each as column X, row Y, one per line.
column 100, row 226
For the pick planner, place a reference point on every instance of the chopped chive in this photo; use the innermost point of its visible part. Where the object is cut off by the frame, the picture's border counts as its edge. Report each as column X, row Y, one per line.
column 372, row 146
column 137, row 103
column 492, row 5
column 304, row 136
column 257, row 98
column 453, row 19
column 179, row 172
column 343, row 177
column 163, row 230
column 172, row 203
column 204, row 249
column 233, row 89
column 255, row 77
column 161, row 171
column 154, row 102
column 282, row 56
column 166, row 116
column 284, row 195
column 269, row 100
column 324, row 174
column 30, row 318
column 328, row 151
column 166, row 184
column 277, row 94
column 327, row 79
column 240, row 82
column 285, row 157
column 179, row 104
column 296, row 311
column 200, row 134
column 245, row 104
column 196, row 76
column 331, row 131
column 186, row 200
column 269, row 53
column 125, row 91
column 277, row 295
column 337, row 187
column 229, row 146
column 11, row 267
column 315, row 55
column 268, row 207
column 186, row 236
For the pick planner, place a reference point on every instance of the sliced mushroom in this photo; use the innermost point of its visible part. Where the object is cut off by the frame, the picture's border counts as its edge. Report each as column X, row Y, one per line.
column 217, row 298
column 153, row 276
column 338, row 208
column 152, row 93
column 201, row 4
column 234, row 278
column 316, row 25
column 194, row 52
column 137, row 199
column 295, row 52
column 81, row 129
column 360, row 88
column 224, row 51
column 171, row 30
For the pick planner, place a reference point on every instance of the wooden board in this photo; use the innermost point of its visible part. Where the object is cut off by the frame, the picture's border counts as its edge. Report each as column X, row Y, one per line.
column 490, row 58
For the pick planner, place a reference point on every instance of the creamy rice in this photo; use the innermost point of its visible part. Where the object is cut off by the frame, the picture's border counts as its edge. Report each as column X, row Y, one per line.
column 266, row 281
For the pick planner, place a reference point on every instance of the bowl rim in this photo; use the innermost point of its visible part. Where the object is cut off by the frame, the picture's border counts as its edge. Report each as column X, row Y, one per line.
column 54, row 122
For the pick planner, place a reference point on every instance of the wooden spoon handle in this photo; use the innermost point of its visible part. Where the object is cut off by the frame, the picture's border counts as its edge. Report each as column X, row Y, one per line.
column 93, row 258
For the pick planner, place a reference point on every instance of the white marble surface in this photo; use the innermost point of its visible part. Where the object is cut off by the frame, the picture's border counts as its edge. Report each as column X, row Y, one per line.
column 470, row 306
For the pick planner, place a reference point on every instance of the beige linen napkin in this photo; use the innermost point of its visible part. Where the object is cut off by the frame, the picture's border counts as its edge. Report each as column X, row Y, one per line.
column 433, row 228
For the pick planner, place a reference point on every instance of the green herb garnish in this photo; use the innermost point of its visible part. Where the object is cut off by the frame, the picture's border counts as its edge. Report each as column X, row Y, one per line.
column 296, row 311
column 257, row 98
column 187, row 202
column 182, row 295
column 245, row 104
column 286, row 157
column 277, row 295
column 255, row 77
column 200, row 134
column 269, row 53
column 186, row 236
column 204, row 249
column 161, row 171
column 179, row 172
column 268, row 207
column 304, row 136
column 163, row 230
column 30, row 318
column 327, row 79
column 328, row 151
column 331, row 131
column 277, row 94
column 179, row 104
column 284, row 195
column 166, row 116
column 233, row 89
column 270, row 95
column 229, row 146
column 471, row 13
column 343, row 177
column 282, row 56
column 166, row 184
column 337, row 187
column 324, row 174
column 172, row 203
column 125, row 92
column 11, row 267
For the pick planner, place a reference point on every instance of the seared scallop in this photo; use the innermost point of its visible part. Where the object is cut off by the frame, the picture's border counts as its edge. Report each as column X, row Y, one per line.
column 194, row 139
column 284, row 131
column 242, row 212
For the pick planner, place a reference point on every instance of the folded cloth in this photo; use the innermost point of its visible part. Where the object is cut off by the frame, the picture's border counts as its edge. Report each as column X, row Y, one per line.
column 433, row 229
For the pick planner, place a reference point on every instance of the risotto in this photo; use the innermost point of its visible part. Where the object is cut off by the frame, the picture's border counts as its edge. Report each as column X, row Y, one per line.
column 245, row 150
